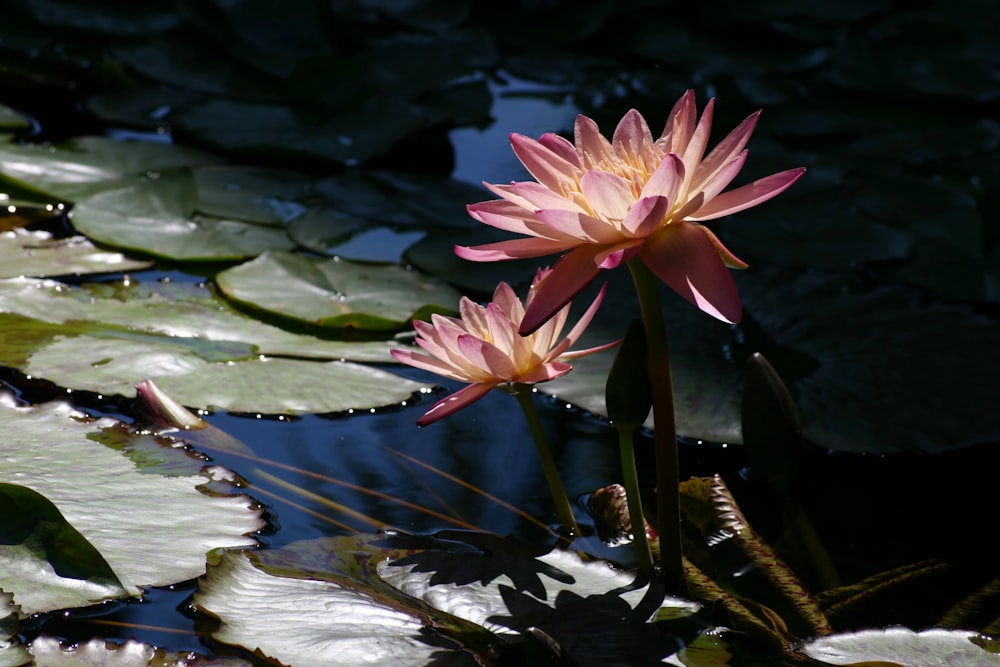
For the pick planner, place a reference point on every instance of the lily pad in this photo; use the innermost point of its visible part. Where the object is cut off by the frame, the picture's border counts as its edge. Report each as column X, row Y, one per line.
column 12, row 653
column 936, row 647
column 181, row 314
column 82, row 166
column 335, row 293
column 203, row 356
column 54, row 451
column 159, row 216
column 24, row 253
column 51, row 652
column 407, row 596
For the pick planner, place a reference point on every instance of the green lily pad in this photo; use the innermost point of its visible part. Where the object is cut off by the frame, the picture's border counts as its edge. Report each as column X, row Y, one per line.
column 200, row 351
column 936, row 647
column 54, row 451
column 262, row 196
column 336, row 293
column 80, row 167
column 181, row 314
column 24, row 253
column 158, row 216
column 114, row 366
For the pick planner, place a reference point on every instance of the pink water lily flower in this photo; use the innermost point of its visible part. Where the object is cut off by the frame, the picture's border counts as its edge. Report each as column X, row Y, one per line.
column 604, row 202
column 485, row 349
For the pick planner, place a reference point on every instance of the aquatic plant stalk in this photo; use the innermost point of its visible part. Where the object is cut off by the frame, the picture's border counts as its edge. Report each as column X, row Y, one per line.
column 523, row 393
column 668, row 509
column 630, row 479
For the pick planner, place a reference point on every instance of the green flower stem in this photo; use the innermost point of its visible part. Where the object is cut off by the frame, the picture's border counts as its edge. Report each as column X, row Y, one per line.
column 634, row 501
column 668, row 509
column 559, row 497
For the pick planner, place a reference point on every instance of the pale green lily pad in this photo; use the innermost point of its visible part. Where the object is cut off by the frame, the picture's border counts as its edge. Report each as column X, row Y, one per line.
column 180, row 314
column 936, row 647
column 201, row 352
column 80, row 167
column 24, row 253
column 263, row 385
column 54, row 451
column 335, row 293
column 50, row 652
column 48, row 564
column 159, row 216
column 381, row 595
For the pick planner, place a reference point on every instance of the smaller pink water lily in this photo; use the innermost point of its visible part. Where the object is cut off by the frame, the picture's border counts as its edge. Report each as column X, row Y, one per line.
column 484, row 348
column 603, row 203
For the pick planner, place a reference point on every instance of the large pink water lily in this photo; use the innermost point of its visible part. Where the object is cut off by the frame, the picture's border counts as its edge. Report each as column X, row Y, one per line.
column 604, row 202
column 485, row 349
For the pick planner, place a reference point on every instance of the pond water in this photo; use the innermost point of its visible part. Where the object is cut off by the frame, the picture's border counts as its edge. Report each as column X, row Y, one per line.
column 874, row 290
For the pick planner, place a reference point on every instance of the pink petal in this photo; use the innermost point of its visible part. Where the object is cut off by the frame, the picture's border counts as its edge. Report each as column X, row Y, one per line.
column 632, row 135
column 581, row 326
column 611, row 257
column 512, row 249
column 569, row 276
column 576, row 354
column 728, row 258
column 686, row 260
column 748, row 195
column 501, row 329
column 578, row 226
column 473, row 315
column 538, row 196
column 549, row 168
column 503, row 215
column 455, row 402
column 591, row 145
column 607, row 194
column 646, row 216
column 665, row 179
column 723, row 177
column 680, row 124
column 695, row 149
column 545, row 372
column 423, row 362
column 561, row 147
column 724, row 152
column 486, row 356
